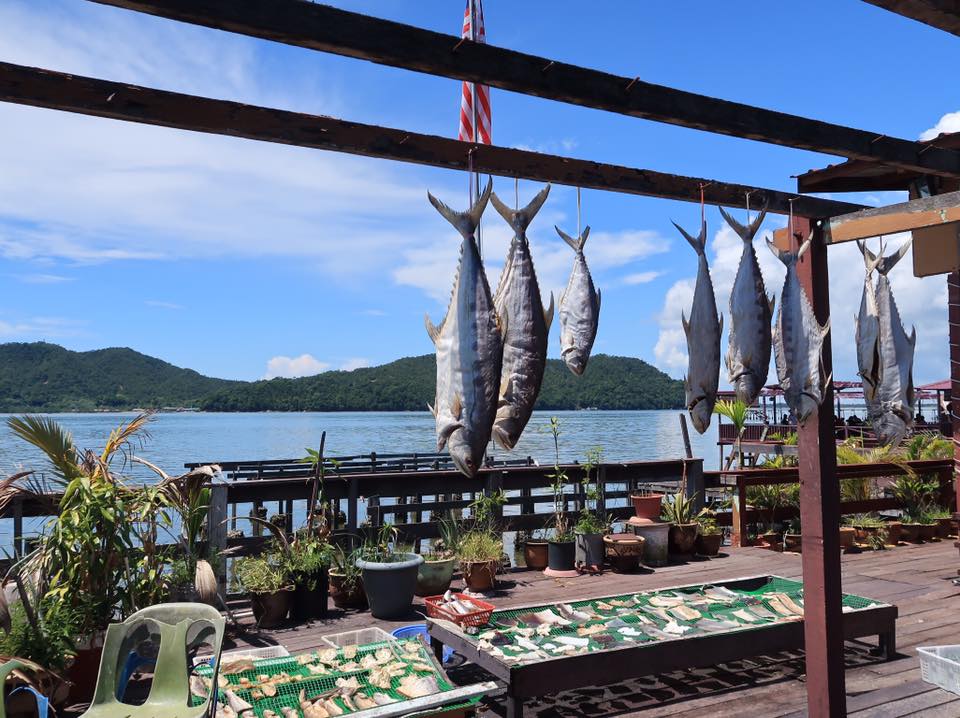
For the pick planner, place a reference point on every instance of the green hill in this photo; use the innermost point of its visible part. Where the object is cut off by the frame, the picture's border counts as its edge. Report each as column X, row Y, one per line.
column 409, row 384
column 47, row 377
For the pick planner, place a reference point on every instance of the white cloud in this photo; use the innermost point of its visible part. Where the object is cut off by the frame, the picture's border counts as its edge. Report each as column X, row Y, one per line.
column 373, row 313
column 43, row 278
column 354, row 363
column 950, row 122
column 38, row 328
column 921, row 302
column 290, row 367
column 642, row 277
column 162, row 305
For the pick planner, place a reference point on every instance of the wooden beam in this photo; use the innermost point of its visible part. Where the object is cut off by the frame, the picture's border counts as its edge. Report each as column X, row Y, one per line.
column 941, row 14
column 917, row 213
column 328, row 29
column 100, row 98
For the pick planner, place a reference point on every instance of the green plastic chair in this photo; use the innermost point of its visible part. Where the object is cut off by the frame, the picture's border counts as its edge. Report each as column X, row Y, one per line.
column 179, row 625
column 5, row 670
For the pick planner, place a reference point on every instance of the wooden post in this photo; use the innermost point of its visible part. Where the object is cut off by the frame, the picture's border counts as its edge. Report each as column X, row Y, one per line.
column 953, row 317
column 18, row 543
column 820, row 510
column 694, row 486
column 686, row 436
column 353, row 489
column 217, row 530
column 739, row 516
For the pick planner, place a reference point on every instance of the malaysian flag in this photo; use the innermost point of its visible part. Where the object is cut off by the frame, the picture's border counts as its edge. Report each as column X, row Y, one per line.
column 467, row 111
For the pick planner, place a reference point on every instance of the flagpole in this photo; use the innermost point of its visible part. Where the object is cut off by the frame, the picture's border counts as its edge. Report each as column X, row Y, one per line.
column 473, row 108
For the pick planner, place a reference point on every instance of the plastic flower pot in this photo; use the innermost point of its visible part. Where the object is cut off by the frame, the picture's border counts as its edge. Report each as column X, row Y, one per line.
column 352, row 596
column 589, row 550
column 390, row 584
column 928, row 532
column 848, row 536
column 270, row 609
column 709, row 544
column 561, row 556
column 910, row 532
column 535, row 554
column 894, row 529
column 434, row 577
column 945, row 527
column 310, row 597
column 683, row 537
column 479, row 575
column 648, row 506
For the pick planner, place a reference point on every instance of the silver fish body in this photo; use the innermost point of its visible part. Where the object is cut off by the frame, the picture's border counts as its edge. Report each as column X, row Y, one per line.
column 469, row 347
column 891, row 412
column 867, row 331
column 579, row 309
column 798, row 341
column 748, row 351
column 703, row 332
column 517, row 302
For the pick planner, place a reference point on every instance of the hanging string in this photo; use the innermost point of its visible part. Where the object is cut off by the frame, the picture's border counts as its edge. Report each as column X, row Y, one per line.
column 473, row 183
column 516, row 192
column 578, row 212
column 793, row 234
column 703, row 209
column 749, row 192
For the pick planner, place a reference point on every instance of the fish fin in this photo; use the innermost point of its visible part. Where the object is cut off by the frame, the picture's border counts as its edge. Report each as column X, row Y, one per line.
column 805, row 246
column 772, row 302
column 457, row 408
column 785, row 257
column 548, row 314
column 432, row 410
column 598, row 300
column 575, row 244
column 432, row 331
column 464, row 222
column 520, row 219
column 746, row 233
column 501, row 319
column 446, row 432
column 825, row 329
column 871, row 260
column 699, row 243
column 913, row 338
column 686, row 324
column 720, row 319
column 889, row 262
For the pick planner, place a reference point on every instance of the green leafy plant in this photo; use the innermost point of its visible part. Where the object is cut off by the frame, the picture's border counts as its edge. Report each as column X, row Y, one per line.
column 344, row 563
column 864, row 521
column 479, row 546
column 260, row 574
column 448, row 544
column 384, row 547
column 766, row 498
column 915, row 493
column 51, row 646
column 591, row 521
column 928, row 446
column 558, row 482
column 678, row 509
column 737, row 412
column 304, row 561
column 708, row 524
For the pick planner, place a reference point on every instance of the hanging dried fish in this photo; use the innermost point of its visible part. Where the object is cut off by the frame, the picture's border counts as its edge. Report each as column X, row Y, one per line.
column 579, row 308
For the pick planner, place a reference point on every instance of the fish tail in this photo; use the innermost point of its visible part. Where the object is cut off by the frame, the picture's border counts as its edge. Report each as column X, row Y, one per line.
column 746, row 233
column 520, row 219
column 871, row 260
column 465, row 222
column 575, row 244
column 699, row 243
column 890, row 261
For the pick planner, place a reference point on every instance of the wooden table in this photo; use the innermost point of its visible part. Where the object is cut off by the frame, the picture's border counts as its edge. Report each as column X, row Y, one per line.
column 600, row 667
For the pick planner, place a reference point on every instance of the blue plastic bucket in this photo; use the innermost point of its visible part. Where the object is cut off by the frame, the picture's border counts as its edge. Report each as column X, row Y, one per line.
column 417, row 630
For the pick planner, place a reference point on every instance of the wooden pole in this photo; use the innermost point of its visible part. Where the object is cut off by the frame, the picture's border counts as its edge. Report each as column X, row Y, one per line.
column 820, row 511
column 953, row 317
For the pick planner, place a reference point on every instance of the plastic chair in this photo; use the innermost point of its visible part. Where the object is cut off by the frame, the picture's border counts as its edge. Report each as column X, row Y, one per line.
column 178, row 625
column 43, row 704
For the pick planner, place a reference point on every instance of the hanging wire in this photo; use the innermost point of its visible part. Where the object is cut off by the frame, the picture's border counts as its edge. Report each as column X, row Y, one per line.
column 516, row 192
column 792, row 232
column 703, row 209
column 749, row 192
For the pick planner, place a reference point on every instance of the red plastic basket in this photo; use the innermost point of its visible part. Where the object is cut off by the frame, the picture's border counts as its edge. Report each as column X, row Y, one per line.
column 480, row 617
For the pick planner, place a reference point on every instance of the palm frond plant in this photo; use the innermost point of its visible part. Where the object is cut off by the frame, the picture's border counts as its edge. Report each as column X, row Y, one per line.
column 737, row 412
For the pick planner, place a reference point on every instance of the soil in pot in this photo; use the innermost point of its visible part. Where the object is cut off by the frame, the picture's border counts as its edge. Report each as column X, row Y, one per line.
column 479, row 576
column 648, row 506
column 434, row 577
column 682, row 538
column 848, row 536
column 928, row 532
column 390, row 584
column 352, row 596
column 271, row 609
column 309, row 599
column 709, row 544
column 590, row 552
column 910, row 532
column 561, row 555
column 792, row 542
column 535, row 555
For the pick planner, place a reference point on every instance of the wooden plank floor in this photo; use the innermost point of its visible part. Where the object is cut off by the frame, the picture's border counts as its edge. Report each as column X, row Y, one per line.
column 918, row 579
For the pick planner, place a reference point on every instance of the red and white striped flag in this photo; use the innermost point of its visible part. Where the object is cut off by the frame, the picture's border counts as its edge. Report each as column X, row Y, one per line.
column 482, row 113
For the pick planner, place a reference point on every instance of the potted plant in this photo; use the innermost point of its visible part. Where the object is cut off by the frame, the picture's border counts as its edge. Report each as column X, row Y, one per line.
column 307, row 562
column 927, row 518
column 535, row 549
column 480, row 553
column 945, row 523
column 389, row 574
column 738, row 413
column 561, row 549
column 436, row 572
column 346, row 579
column 915, row 494
column 269, row 588
column 591, row 525
column 767, row 498
column 678, row 512
column 647, row 504
column 848, row 536
column 709, row 537
column 791, row 537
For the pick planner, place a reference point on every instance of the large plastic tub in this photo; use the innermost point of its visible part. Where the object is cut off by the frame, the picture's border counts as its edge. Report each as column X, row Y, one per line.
column 940, row 665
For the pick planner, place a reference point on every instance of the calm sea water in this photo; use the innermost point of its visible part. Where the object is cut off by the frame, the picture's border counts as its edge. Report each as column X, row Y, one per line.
column 175, row 439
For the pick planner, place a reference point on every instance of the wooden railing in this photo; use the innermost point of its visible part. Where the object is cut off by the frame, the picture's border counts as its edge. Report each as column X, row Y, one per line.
column 742, row 515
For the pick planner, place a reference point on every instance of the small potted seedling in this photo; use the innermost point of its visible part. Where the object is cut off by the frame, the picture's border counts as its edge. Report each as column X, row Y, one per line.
column 535, row 550
column 709, row 537
column 436, row 571
column 561, row 547
column 791, row 537
column 389, row 574
column 481, row 548
column 591, row 525
column 269, row 588
column 678, row 512
column 346, row 579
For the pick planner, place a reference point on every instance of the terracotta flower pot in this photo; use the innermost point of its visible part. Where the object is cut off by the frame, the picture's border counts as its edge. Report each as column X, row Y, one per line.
column 894, row 529
column 347, row 597
column 479, row 575
column 945, row 527
column 709, row 544
column 624, row 551
column 865, row 532
column 848, row 536
column 647, row 507
column 535, row 555
column 773, row 541
column 910, row 532
column 792, row 542
column 271, row 609
column 683, row 537
column 928, row 532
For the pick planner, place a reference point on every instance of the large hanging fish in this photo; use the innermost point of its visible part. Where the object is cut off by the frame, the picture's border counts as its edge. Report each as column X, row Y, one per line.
column 579, row 308
column 798, row 341
column 518, row 304
column 469, row 350
column 867, row 331
column 891, row 412
column 703, row 333
column 748, row 352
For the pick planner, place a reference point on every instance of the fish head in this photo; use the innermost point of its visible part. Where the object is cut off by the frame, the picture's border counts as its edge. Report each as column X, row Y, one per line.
column 748, row 387
column 575, row 359
column 890, row 427
column 467, row 457
column 700, row 409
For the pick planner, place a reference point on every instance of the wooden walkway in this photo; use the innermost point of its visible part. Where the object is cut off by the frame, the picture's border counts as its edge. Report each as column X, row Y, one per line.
column 918, row 579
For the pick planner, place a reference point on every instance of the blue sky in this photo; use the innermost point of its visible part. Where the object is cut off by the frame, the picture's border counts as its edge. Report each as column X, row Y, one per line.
column 243, row 259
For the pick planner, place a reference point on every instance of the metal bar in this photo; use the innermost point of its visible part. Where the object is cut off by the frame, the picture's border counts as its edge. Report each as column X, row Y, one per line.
column 101, row 98
column 328, row 29
column 820, row 510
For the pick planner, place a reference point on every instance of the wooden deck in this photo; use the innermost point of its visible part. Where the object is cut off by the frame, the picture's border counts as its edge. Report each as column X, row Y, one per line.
column 918, row 579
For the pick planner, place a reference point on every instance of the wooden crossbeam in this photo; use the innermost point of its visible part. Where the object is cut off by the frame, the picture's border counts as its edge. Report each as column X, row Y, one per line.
column 904, row 217
column 941, row 14
column 101, row 98
column 320, row 27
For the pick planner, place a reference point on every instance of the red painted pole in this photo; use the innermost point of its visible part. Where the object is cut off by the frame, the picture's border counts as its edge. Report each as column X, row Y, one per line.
column 820, row 512
column 953, row 317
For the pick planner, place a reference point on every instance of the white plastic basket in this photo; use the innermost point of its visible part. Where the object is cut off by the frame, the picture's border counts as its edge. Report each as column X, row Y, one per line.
column 940, row 665
column 254, row 653
column 360, row 637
